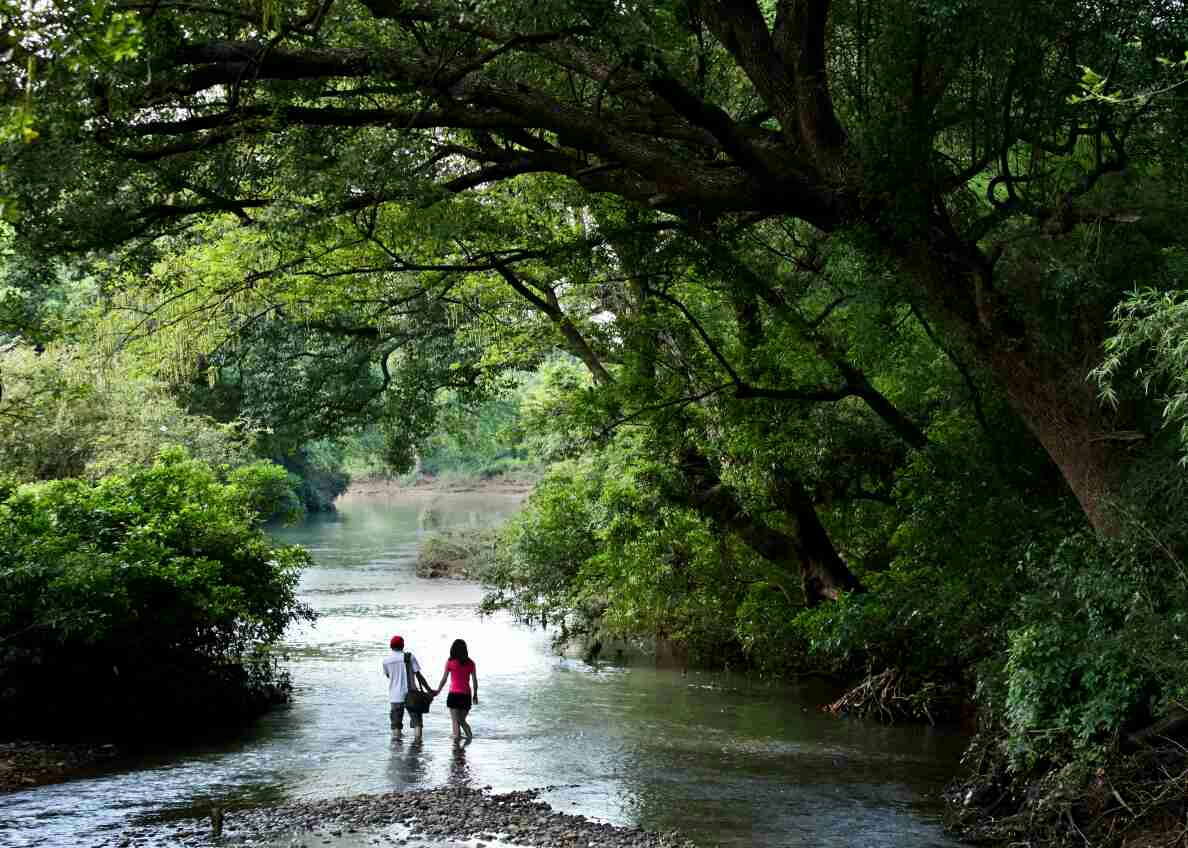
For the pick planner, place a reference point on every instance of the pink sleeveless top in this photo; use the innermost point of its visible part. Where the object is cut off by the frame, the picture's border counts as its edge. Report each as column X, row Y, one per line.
column 460, row 675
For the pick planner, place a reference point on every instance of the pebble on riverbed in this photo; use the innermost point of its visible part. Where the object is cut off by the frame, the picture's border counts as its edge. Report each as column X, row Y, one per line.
column 433, row 815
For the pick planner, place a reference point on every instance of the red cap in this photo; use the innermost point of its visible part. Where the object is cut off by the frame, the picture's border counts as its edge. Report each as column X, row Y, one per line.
column 397, row 643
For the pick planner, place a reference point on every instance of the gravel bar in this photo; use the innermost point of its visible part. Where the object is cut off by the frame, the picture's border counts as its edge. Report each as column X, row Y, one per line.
column 430, row 818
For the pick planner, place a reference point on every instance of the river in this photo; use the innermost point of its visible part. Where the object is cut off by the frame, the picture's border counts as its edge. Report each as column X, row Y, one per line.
column 726, row 758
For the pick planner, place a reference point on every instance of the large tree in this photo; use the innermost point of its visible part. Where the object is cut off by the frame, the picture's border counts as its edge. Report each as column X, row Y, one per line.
column 943, row 137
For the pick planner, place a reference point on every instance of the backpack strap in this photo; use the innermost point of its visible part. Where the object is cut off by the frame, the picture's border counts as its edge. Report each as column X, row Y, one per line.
column 413, row 686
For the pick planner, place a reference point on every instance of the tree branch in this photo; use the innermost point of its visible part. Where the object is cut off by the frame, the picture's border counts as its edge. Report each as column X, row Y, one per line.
column 700, row 330
column 577, row 343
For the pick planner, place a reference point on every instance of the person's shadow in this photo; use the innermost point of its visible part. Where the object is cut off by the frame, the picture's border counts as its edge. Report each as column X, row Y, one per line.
column 459, row 770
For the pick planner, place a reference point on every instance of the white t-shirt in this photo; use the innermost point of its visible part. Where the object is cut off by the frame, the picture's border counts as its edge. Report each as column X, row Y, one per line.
column 397, row 673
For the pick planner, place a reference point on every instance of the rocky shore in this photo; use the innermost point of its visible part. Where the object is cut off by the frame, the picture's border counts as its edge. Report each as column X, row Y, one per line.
column 26, row 764
column 419, row 819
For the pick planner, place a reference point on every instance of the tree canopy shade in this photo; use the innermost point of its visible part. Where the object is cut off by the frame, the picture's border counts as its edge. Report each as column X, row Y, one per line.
column 919, row 131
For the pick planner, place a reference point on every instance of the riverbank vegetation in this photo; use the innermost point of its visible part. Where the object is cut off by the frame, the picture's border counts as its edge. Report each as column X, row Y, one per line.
column 853, row 335
column 80, row 398
column 154, row 592
column 456, row 554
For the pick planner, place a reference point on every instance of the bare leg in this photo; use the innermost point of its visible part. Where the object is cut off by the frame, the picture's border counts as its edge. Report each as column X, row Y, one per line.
column 456, row 720
column 465, row 726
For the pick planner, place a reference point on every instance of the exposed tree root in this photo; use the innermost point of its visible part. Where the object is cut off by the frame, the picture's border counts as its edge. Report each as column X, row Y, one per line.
column 893, row 696
column 1138, row 800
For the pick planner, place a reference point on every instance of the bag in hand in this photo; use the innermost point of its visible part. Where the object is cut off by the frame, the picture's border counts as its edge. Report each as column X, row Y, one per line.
column 415, row 701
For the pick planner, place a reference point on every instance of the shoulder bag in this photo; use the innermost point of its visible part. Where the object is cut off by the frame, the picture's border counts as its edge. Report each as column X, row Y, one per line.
column 415, row 701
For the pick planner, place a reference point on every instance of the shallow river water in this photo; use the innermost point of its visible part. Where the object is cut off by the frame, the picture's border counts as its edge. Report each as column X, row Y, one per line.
column 727, row 759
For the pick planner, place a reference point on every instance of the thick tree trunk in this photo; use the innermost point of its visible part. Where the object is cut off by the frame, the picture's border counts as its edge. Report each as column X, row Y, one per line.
column 1048, row 388
column 1064, row 414
column 824, row 572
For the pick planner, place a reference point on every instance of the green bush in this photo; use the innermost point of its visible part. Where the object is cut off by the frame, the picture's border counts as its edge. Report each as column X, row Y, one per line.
column 145, row 600
column 598, row 549
column 316, row 474
column 939, row 611
column 543, row 547
column 1102, row 649
column 946, row 598
column 268, row 491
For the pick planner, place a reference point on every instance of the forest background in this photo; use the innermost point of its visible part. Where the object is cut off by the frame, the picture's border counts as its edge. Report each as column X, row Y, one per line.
column 852, row 338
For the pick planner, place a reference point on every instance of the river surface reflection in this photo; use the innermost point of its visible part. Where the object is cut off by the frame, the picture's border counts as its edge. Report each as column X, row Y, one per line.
column 726, row 759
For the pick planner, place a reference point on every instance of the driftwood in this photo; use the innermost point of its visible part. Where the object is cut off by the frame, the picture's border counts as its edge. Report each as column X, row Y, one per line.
column 892, row 695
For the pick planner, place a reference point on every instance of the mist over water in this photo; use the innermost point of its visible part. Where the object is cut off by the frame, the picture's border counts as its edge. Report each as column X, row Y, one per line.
column 726, row 759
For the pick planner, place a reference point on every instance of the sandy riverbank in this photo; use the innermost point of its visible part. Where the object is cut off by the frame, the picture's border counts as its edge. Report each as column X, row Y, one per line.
column 427, row 489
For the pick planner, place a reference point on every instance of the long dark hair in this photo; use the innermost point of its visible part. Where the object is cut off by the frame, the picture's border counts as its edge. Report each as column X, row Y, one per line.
column 458, row 652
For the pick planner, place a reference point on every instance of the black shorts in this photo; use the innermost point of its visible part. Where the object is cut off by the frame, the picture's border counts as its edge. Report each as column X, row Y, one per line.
column 458, row 701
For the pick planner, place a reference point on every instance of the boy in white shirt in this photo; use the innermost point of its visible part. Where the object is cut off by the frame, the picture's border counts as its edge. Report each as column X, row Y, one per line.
column 396, row 670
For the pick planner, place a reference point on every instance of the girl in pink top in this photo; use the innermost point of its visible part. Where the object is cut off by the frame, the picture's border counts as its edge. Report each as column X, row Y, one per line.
column 460, row 669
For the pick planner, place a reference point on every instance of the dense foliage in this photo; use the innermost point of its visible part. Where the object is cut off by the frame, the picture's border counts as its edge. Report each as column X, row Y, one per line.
column 143, row 601
column 82, row 393
column 879, row 306
column 1099, row 652
column 63, row 417
column 600, row 552
column 480, row 440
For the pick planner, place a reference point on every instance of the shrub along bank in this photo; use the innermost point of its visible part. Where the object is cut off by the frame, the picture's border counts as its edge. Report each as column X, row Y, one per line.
column 143, row 602
column 61, row 418
column 1068, row 645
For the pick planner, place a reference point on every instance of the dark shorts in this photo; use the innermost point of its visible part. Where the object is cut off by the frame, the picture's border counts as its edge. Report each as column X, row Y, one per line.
column 396, row 716
column 458, row 701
